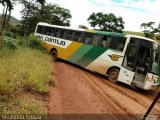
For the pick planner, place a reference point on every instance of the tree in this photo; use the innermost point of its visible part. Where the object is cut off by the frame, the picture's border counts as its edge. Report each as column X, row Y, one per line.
column 53, row 14
column 9, row 6
column 27, row 6
column 14, row 2
column 48, row 13
column 157, row 30
column 149, row 30
column 106, row 21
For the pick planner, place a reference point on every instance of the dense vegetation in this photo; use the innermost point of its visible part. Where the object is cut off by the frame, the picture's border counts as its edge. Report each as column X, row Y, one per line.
column 25, row 68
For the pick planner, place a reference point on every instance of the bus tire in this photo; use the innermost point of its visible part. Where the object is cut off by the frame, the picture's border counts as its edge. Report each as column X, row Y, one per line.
column 53, row 53
column 113, row 75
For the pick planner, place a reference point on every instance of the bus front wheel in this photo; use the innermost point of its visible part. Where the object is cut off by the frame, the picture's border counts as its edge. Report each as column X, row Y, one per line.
column 54, row 55
column 113, row 75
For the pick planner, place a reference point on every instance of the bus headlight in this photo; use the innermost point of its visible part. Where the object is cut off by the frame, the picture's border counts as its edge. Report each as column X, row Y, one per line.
column 152, row 78
column 155, row 78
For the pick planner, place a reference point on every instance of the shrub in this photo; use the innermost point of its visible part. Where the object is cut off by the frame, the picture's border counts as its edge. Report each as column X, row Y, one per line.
column 10, row 34
column 31, row 41
column 10, row 42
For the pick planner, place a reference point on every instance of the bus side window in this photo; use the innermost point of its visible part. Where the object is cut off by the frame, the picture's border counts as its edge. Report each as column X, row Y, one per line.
column 130, row 57
column 57, row 32
column 121, row 44
column 77, row 36
column 39, row 29
column 106, row 41
column 96, row 39
column 88, row 38
column 53, row 32
column 117, row 43
column 62, row 33
column 48, row 31
column 69, row 35
column 43, row 30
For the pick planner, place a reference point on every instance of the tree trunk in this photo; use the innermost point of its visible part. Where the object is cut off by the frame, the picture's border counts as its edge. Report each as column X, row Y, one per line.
column 24, row 21
column 3, row 26
column 9, row 17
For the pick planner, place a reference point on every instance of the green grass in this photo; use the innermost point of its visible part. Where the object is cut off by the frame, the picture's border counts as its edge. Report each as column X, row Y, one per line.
column 24, row 69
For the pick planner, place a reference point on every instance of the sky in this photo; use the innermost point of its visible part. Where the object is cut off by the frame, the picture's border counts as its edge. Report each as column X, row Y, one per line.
column 133, row 12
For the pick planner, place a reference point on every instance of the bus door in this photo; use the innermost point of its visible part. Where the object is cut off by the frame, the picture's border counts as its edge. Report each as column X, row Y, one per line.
column 142, row 66
column 127, row 71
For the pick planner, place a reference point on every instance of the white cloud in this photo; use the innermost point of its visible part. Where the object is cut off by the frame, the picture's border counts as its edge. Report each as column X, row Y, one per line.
column 133, row 13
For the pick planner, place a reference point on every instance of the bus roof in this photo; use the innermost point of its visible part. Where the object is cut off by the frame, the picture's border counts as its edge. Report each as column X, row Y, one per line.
column 65, row 27
column 85, row 30
column 140, row 37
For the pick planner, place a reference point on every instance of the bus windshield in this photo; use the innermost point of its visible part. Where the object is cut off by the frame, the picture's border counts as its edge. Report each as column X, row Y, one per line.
column 156, row 60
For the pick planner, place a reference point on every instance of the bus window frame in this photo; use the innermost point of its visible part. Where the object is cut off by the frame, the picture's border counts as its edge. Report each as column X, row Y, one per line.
column 98, row 44
column 39, row 27
column 133, row 69
column 53, row 33
column 84, row 40
column 111, row 42
column 80, row 38
column 68, row 30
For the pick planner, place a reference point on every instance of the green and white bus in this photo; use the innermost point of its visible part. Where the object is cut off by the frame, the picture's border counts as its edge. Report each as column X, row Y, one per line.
column 130, row 59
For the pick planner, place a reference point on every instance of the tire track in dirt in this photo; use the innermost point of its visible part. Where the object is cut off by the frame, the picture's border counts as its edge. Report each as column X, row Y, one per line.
column 118, row 108
column 132, row 94
column 78, row 91
column 105, row 96
column 136, row 97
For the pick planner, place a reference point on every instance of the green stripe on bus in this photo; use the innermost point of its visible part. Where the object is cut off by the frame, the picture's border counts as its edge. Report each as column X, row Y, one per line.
column 110, row 33
column 90, row 56
column 79, row 53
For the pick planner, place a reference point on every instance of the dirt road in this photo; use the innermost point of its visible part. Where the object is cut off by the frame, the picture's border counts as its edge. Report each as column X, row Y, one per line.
column 78, row 91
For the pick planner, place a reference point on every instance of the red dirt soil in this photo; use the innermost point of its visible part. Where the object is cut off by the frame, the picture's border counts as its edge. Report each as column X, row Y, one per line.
column 79, row 92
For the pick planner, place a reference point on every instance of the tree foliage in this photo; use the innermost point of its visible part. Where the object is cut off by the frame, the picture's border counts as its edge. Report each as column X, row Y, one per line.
column 149, row 31
column 53, row 14
column 28, row 4
column 49, row 13
column 106, row 21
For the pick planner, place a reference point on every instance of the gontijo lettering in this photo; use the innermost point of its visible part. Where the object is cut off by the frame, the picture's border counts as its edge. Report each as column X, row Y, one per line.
column 55, row 41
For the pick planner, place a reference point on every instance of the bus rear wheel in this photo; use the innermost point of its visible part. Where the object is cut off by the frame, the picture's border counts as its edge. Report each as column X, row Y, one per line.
column 54, row 55
column 113, row 75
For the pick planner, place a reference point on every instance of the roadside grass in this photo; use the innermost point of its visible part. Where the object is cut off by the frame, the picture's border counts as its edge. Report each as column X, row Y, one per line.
column 23, row 70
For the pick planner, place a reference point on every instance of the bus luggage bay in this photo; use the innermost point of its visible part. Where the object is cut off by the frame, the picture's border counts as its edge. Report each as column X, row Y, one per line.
column 130, row 59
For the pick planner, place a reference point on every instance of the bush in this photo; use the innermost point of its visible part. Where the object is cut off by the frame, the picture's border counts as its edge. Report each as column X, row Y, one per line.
column 26, row 41
column 10, row 34
column 10, row 42
column 34, row 42
column 31, row 41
